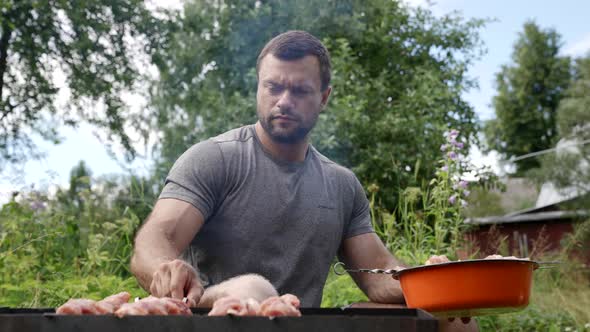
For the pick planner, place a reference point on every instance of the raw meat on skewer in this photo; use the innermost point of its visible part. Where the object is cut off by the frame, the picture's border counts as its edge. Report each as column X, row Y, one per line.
column 286, row 305
column 154, row 306
column 90, row 307
column 280, row 306
column 230, row 305
column 291, row 299
column 111, row 303
column 78, row 307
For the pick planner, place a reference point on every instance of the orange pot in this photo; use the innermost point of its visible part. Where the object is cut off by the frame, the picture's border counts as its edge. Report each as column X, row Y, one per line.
column 468, row 288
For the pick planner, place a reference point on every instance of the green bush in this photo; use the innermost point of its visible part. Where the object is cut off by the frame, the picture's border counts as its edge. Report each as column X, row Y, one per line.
column 341, row 291
column 49, row 254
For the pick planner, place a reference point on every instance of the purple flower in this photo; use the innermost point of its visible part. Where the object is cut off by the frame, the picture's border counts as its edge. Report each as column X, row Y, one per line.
column 37, row 205
column 463, row 203
column 463, row 184
column 466, row 192
column 452, row 155
column 454, row 133
column 443, row 147
column 444, row 168
column 453, row 199
column 459, row 145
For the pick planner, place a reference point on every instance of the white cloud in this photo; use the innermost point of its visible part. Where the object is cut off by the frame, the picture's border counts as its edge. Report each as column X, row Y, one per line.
column 491, row 160
column 168, row 4
column 578, row 48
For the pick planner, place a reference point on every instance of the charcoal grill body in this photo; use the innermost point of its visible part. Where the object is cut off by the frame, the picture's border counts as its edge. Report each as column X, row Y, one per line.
column 316, row 319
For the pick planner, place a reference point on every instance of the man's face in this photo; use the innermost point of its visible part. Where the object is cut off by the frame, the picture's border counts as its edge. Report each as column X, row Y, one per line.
column 289, row 97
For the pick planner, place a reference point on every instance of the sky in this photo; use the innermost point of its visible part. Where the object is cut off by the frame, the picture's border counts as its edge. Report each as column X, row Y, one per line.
column 568, row 17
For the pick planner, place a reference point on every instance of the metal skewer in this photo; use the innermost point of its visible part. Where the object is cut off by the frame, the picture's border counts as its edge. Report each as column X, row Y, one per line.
column 340, row 269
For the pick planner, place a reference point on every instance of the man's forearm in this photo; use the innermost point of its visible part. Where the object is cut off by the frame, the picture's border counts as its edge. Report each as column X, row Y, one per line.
column 143, row 267
column 367, row 251
column 150, row 251
column 383, row 288
column 166, row 233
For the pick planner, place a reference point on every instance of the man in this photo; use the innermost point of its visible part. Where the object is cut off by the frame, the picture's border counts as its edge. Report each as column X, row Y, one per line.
column 258, row 210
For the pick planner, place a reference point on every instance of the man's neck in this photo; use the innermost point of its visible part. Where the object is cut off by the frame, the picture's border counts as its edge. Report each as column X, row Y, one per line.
column 284, row 151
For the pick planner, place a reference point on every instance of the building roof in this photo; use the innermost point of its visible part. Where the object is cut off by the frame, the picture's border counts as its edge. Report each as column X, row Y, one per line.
column 528, row 217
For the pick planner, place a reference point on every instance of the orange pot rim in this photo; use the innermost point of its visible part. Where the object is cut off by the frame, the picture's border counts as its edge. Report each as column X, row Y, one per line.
column 396, row 275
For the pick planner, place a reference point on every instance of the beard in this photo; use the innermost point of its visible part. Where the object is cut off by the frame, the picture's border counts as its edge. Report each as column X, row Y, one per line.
column 295, row 134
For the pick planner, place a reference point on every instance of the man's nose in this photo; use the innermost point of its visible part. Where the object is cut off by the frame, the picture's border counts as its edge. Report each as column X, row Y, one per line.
column 286, row 101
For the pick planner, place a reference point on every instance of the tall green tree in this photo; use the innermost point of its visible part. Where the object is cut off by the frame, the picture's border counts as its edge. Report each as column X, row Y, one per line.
column 529, row 91
column 398, row 77
column 91, row 43
column 569, row 167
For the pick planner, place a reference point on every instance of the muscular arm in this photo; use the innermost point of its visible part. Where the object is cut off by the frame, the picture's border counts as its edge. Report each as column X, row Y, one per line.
column 165, row 235
column 367, row 251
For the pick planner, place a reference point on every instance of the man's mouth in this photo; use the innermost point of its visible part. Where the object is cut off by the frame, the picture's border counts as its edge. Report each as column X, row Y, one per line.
column 283, row 118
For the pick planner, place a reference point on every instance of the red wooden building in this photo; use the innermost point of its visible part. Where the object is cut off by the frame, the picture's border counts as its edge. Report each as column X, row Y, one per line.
column 529, row 232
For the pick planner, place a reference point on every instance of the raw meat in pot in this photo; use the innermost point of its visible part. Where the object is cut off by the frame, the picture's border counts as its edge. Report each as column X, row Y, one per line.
column 436, row 260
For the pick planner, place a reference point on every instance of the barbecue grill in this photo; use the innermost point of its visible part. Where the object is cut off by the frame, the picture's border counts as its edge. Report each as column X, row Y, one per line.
column 312, row 319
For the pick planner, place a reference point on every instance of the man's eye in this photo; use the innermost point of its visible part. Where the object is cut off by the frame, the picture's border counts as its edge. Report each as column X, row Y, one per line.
column 300, row 92
column 275, row 88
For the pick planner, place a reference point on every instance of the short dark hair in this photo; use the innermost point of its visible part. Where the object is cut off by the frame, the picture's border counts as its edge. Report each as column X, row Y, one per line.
column 296, row 44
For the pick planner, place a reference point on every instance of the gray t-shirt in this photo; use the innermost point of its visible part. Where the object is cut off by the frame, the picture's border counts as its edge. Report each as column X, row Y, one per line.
column 282, row 220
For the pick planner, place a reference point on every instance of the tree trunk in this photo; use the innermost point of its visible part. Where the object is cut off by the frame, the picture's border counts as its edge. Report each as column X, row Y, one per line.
column 4, row 44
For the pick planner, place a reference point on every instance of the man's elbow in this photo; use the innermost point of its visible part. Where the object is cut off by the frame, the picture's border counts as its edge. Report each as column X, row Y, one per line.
column 137, row 269
column 136, row 264
column 377, row 297
column 133, row 264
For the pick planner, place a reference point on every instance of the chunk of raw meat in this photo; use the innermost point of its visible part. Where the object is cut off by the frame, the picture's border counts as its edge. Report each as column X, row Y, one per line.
column 437, row 260
column 78, row 307
column 277, row 306
column 154, row 306
column 502, row 257
column 286, row 305
column 230, row 305
column 291, row 299
column 90, row 307
column 111, row 303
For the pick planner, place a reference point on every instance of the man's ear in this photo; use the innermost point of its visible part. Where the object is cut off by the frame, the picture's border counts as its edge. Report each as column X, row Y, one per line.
column 325, row 97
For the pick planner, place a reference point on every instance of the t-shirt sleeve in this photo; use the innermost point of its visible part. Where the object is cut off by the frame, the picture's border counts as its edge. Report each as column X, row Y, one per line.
column 197, row 177
column 360, row 221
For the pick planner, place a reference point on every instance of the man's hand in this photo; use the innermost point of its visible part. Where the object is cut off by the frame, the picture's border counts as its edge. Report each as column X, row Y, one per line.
column 177, row 279
column 435, row 259
column 166, row 233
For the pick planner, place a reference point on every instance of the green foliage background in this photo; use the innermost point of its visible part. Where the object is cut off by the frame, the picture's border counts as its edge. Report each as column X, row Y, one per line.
column 399, row 74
